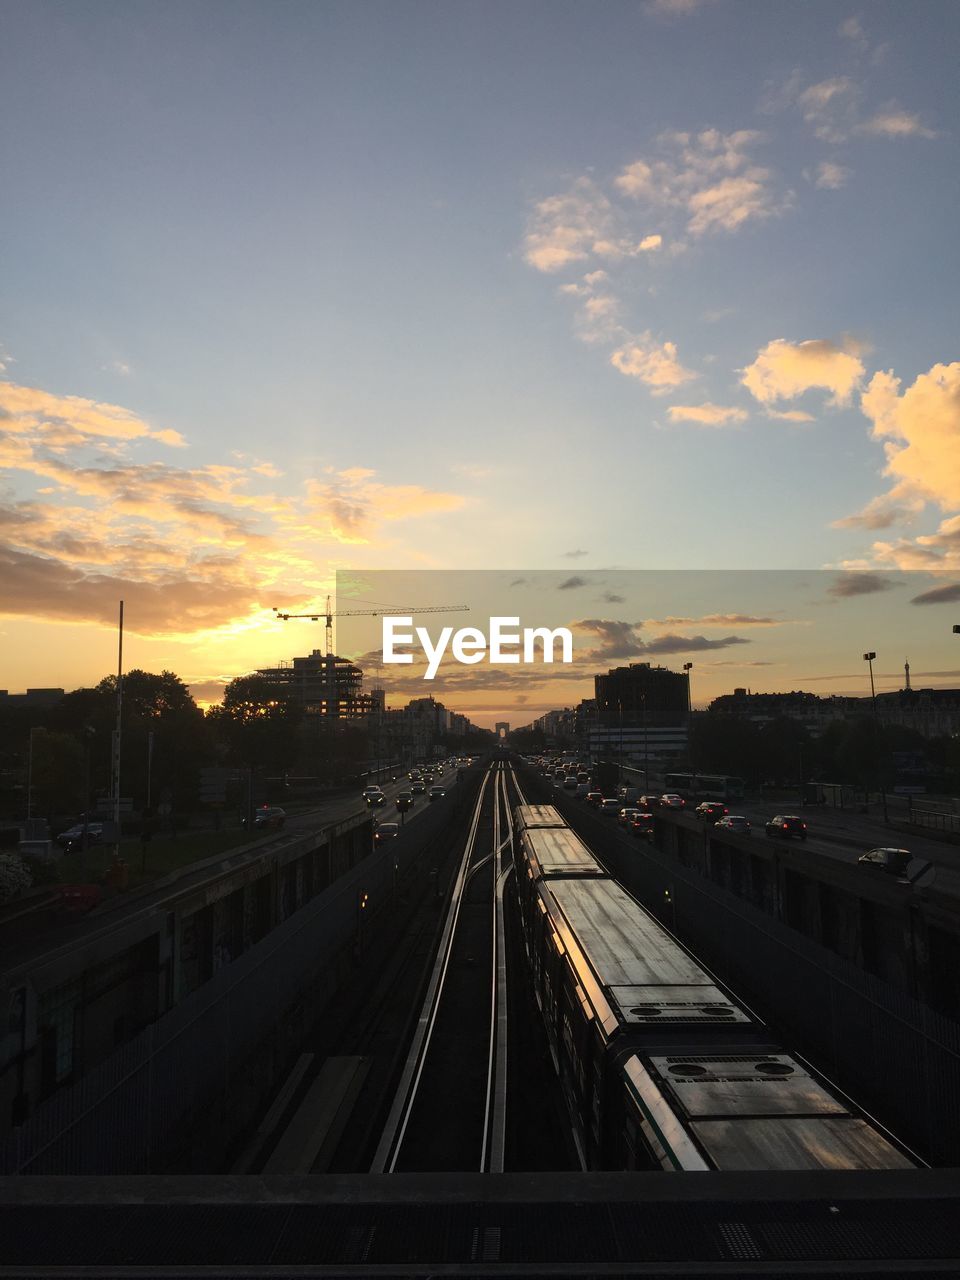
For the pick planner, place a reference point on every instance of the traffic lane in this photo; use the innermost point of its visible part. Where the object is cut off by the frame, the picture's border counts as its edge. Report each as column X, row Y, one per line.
column 348, row 806
column 852, row 834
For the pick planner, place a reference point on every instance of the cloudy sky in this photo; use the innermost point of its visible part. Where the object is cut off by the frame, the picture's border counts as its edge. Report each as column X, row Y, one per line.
column 287, row 289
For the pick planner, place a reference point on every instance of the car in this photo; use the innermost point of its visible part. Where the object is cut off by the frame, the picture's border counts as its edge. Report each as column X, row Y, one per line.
column 418, row 787
column 386, row 831
column 735, row 822
column 711, row 811
column 595, row 798
column 437, row 793
column 649, row 803
column 427, row 779
column 570, row 782
column 404, row 800
column 414, row 775
column 625, row 816
column 268, row 816
column 893, row 861
column 74, row 835
column 672, row 801
column 786, row 826
column 373, row 796
column 609, row 807
column 641, row 824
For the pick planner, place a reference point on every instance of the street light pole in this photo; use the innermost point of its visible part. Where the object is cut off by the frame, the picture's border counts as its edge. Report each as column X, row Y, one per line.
column 869, row 660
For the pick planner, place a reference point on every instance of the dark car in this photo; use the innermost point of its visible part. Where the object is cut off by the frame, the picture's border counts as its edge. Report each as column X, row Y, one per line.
column 711, row 811
column 649, row 803
column 735, row 822
column 595, row 798
column 386, row 831
column 374, row 796
column 269, row 816
column 73, row 838
column 786, row 826
column 418, row 787
column 641, row 824
column 893, row 861
column 437, row 793
column 404, row 800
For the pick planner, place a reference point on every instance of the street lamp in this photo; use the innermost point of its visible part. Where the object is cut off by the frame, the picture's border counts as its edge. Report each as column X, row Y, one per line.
column 688, row 667
column 869, row 660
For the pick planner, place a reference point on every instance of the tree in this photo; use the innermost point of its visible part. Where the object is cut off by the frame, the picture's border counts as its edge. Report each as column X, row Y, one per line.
column 15, row 877
column 257, row 723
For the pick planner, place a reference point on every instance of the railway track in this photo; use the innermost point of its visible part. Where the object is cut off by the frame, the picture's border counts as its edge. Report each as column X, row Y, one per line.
column 450, row 1108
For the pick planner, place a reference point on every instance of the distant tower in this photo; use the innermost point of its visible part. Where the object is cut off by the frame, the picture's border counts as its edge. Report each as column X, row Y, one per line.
column 906, row 672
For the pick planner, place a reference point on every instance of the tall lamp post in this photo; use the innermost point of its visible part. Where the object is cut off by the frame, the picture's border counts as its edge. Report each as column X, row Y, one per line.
column 687, row 668
column 869, row 660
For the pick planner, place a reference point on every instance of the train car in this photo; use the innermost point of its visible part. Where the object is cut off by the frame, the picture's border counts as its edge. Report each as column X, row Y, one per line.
column 544, row 846
column 752, row 1111
column 662, row 1067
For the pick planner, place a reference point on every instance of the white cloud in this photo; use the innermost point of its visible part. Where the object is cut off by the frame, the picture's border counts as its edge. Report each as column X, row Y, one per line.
column 894, row 122
column 830, row 176
column 564, row 228
column 790, row 415
column 709, row 177
column 654, row 363
column 783, row 370
column 706, row 415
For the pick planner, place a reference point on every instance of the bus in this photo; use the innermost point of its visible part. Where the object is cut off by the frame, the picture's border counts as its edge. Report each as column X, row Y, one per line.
column 703, row 786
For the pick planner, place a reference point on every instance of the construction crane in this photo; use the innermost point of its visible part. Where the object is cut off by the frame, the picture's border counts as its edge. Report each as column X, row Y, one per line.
column 329, row 614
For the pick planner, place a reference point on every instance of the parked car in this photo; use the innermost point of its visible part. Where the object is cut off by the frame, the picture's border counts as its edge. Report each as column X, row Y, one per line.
column 711, row 811
column 671, row 801
column 386, row 831
column 893, row 861
column 787, row 825
column 735, row 822
column 72, row 838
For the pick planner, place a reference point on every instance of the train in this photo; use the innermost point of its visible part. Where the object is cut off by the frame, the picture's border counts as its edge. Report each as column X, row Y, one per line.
column 660, row 1065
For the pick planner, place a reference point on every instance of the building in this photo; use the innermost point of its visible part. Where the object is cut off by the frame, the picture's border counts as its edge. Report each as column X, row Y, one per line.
column 32, row 698
column 933, row 713
column 328, row 688
column 640, row 695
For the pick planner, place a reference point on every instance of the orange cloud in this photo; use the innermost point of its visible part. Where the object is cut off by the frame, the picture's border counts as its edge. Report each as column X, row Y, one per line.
column 783, row 370
column 27, row 411
column 652, row 362
column 706, row 415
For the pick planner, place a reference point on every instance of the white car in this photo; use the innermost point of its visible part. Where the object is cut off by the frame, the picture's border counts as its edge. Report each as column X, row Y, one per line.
column 610, row 807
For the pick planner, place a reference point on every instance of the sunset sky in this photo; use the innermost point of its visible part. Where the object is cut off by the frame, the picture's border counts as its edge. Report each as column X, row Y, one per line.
column 287, row 289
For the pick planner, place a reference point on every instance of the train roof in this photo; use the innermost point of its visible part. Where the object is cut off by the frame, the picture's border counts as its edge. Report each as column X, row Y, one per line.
column 558, row 851
column 755, row 1111
column 529, row 816
column 630, row 970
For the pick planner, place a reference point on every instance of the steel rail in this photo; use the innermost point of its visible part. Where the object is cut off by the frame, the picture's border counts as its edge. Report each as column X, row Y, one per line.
column 388, row 1149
